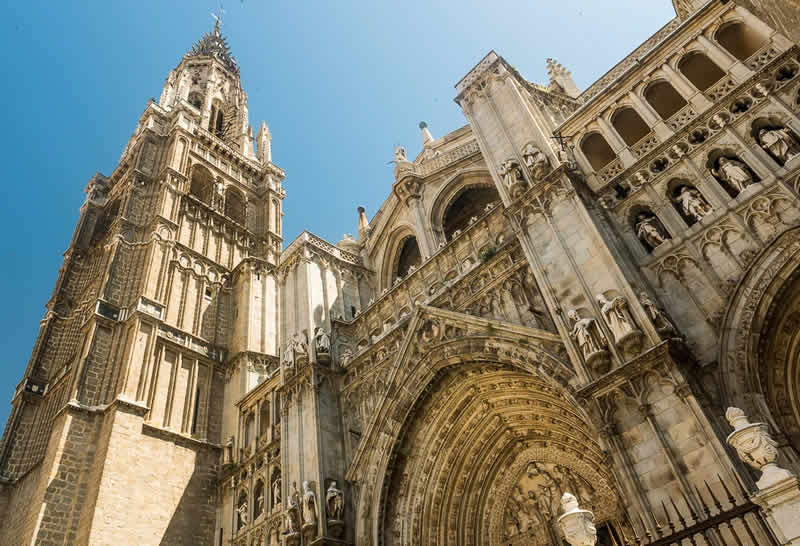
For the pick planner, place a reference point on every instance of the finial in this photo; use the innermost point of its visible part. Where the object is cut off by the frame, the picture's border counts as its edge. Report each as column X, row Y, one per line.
column 427, row 137
column 218, row 19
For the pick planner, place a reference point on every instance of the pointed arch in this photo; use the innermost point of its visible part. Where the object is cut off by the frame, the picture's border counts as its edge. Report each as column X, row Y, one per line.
column 235, row 206
column 201, row 184
column 478, row 184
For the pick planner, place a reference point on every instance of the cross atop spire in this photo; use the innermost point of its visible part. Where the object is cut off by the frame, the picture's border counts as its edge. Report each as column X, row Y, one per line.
column 214, row 44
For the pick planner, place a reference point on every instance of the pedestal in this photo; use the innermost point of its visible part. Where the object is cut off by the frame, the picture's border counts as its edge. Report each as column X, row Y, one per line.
column 781, row 505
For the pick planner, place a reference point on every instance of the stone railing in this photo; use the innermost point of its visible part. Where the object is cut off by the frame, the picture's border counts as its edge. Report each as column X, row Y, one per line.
column 681, row 117
column 441, row 161
column 610, row 171
column 645, row 145
column 762, row 57
column 452, row 261
column 720, row 89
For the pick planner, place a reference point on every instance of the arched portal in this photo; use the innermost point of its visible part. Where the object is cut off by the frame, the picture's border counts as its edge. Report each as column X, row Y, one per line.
column 477, row 444
column 760, row 345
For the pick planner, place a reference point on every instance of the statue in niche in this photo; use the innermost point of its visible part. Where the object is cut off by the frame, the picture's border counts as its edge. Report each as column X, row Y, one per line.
column 662, row 324
column 586, row 333
column 692, row 203
column 309, row 505
column 734, row 173
column 649, row 230
column 535, row 160
column 322, row 341
column 779, row 143
column 334, row 502
column 260, row 502
column 276, row 491
column 617, row 316
column 241, row 513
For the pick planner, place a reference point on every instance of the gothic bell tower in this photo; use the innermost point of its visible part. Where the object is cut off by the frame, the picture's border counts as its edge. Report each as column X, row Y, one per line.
column 118, row 425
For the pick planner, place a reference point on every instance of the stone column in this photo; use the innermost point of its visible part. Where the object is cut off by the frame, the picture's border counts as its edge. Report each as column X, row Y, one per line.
column 724, row 59
column 778, row 492
column 616, row 142
column 651, row 117
column 576, row 524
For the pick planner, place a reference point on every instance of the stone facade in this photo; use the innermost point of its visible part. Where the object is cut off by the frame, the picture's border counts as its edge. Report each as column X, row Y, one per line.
column 534, row 339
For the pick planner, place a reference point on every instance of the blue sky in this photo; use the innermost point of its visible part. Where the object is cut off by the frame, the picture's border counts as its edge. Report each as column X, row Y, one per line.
column 339, row 84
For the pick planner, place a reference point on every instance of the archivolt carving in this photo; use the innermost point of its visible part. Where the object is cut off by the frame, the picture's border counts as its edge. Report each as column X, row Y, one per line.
column 483, row 396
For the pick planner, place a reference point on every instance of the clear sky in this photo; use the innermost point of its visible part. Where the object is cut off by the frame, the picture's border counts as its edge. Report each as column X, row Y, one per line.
column 339, row 84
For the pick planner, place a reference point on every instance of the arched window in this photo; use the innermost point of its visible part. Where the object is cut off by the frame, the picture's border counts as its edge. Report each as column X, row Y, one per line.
column 264, row 423
column 196, row 99
column 630, row 125
column 664, row 99
column 216, row 122
column 235, row 207
column 249, row 429
column 740, row 40
column 700, row 70
column 468, row 203
column 597, row 151
column 409, row 255
column 202, row 184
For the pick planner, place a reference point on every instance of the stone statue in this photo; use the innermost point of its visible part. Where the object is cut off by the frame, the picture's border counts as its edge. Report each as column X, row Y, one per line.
column 322, row 341
column 276, row 491
column 779, row 143
column 586, row 333
column 734, row 173
column 576, row 524
column 649, row 231
column 510, row 172
column 293, row 512
column 260, row 503
column 535, row 160
column 309, row 505
column 692, row 203
column 299, row 343
column 334, row 502
column 399, row 154
column 662, row 324
column 241, row 511
column 288, row 355
column 617, row 316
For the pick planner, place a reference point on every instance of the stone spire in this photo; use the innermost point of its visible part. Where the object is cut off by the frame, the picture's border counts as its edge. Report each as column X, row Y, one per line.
column 264, row 141
column 561, row 79
column 427, row 137
column 214, row 44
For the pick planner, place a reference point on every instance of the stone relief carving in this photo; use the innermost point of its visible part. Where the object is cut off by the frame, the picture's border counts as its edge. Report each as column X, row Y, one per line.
column 779, row 143
column 649, row 230
column 692, row 203
column 532, row 510
column 734, row 173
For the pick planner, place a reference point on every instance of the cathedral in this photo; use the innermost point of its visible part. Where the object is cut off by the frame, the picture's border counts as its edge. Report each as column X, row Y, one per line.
column 574, row 320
